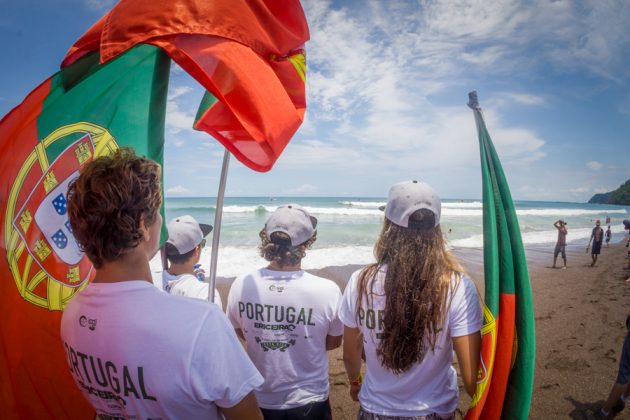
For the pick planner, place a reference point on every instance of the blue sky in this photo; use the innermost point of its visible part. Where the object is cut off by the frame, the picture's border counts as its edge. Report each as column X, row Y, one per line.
column 387, row 86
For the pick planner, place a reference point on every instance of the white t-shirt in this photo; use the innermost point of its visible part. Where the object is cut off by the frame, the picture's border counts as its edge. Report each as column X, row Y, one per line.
column 189, row 286
column 285, row 317
column 136, row 352
column 429, row 386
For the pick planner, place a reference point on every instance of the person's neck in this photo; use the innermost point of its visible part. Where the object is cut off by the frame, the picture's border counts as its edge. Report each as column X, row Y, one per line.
column 132, row 266
column 275, row 267
column 181, row 268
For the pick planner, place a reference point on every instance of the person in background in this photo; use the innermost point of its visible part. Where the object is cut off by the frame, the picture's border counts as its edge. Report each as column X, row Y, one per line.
column 618, row 395
column 608, row 235
column 134, row 351
column 561, row 243
column 597, row 236
column 288, row 319
column 407, row 313
column 183, row 250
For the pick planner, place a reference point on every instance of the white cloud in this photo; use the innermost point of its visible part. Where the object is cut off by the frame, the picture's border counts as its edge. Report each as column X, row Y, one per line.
column 524, row 98
column 178, row 119
column 178, row 190
column 594, row 165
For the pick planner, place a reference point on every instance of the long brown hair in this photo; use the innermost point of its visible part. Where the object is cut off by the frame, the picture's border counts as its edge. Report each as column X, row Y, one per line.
column 419, row 272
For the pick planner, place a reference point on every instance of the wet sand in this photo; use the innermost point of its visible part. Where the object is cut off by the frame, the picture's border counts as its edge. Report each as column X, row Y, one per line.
column 580, row 318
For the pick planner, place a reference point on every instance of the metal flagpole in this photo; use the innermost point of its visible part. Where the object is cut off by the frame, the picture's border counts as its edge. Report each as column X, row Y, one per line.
column 216, row 231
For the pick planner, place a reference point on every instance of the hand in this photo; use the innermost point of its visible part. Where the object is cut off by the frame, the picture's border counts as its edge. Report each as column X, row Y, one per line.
column 200, row 270
column 354, row 392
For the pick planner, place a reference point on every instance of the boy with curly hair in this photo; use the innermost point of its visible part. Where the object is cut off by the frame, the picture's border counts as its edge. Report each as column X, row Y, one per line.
column 133, row 350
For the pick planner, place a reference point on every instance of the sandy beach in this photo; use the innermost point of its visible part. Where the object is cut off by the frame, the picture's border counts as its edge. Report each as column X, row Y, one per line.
column 580, row 318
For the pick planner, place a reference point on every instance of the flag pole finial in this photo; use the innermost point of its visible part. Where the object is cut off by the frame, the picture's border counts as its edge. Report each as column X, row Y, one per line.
column 473, row 102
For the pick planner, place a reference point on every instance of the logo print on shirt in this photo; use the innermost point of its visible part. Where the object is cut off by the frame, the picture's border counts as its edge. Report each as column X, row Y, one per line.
column 274, row 288
column 87, row 322
column 274, row 345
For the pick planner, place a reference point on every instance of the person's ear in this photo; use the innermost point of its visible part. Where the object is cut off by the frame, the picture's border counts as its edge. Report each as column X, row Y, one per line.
column 143, row 229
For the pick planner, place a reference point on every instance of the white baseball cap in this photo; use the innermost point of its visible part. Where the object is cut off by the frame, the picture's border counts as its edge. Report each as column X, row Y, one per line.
column 184, row 234
column 405, row 198
column 293, row 220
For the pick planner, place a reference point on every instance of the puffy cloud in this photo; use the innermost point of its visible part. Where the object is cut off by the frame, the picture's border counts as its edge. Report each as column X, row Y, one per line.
column 594, row 165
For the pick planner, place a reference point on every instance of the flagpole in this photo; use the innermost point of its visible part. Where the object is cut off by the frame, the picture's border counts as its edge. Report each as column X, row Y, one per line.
column 216, row 231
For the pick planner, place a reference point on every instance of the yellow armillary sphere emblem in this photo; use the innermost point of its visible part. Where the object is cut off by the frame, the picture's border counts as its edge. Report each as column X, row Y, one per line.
column 45, row 260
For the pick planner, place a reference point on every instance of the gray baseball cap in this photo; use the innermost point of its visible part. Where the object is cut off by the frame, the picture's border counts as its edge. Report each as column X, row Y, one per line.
column 184, row 234
column 405, row 198
column 293, row 220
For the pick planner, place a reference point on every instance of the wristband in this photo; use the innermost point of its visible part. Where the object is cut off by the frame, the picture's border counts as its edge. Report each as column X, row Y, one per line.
column 357, row 381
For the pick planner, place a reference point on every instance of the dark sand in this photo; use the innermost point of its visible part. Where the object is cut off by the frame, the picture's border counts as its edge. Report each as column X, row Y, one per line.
column 580, row 318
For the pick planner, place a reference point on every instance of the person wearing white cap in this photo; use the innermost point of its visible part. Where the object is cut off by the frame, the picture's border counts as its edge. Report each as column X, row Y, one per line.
column 183, row 250
column 408, row 312
column 288, row 319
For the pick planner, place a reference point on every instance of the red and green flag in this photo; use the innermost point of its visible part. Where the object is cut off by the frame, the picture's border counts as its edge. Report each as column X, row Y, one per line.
column 508, row 348
column 111, row 93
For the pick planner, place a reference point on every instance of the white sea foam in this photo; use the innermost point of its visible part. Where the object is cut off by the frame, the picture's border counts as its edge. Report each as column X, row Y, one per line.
column 234, row 261
column 470, row 209
column 364, row 204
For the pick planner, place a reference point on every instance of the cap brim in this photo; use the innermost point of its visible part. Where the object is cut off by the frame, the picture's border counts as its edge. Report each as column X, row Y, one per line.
column 205, row 229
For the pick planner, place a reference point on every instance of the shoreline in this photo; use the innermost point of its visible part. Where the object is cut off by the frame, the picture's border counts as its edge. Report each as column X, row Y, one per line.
column 580, row 318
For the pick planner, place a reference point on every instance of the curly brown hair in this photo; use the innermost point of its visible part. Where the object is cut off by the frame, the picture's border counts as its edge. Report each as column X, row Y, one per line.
column 278, row 248
column 419, row 271
column 108, row 200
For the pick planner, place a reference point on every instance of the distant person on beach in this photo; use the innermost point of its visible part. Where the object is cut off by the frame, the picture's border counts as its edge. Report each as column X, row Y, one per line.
column 597, row 236
column 620, row 391
column 183, row 250
column 608, row 235
column 159, row 356
column 407, row 313
column 288, row 319
column 561, row 243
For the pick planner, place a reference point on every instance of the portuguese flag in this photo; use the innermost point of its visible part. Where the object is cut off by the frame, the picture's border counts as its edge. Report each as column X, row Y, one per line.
column 84, row 111
column 111, row 93
column 506, row 373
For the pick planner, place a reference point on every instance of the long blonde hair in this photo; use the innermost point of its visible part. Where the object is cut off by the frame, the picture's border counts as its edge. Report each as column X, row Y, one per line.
column 419, row 272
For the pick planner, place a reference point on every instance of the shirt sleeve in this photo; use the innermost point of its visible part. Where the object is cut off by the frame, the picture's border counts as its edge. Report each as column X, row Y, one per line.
column 336, row 326
column 347, row 309
column 220, row 370
column 465, row 315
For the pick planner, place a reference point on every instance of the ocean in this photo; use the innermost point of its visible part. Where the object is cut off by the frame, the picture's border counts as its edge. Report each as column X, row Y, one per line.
column 348, row 227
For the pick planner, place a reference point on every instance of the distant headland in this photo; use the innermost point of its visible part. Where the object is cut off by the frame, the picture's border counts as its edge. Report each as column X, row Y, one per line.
column 619, row 196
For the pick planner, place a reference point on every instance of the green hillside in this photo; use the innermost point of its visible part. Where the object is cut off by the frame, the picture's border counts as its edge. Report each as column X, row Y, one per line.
column 619, row 196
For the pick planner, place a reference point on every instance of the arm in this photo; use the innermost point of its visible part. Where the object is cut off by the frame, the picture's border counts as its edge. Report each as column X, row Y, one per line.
column 239, row 334
column 468, row 349
column 352, row 350
column 333, row 341
column 247, row 408
column 555, row 224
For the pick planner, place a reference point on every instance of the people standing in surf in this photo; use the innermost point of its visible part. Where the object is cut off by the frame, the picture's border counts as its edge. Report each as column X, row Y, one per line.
column 407, row 313
column 288, row 319
column 174, row 358
column 561, row 243
column 608, row 235
column 597, row 236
